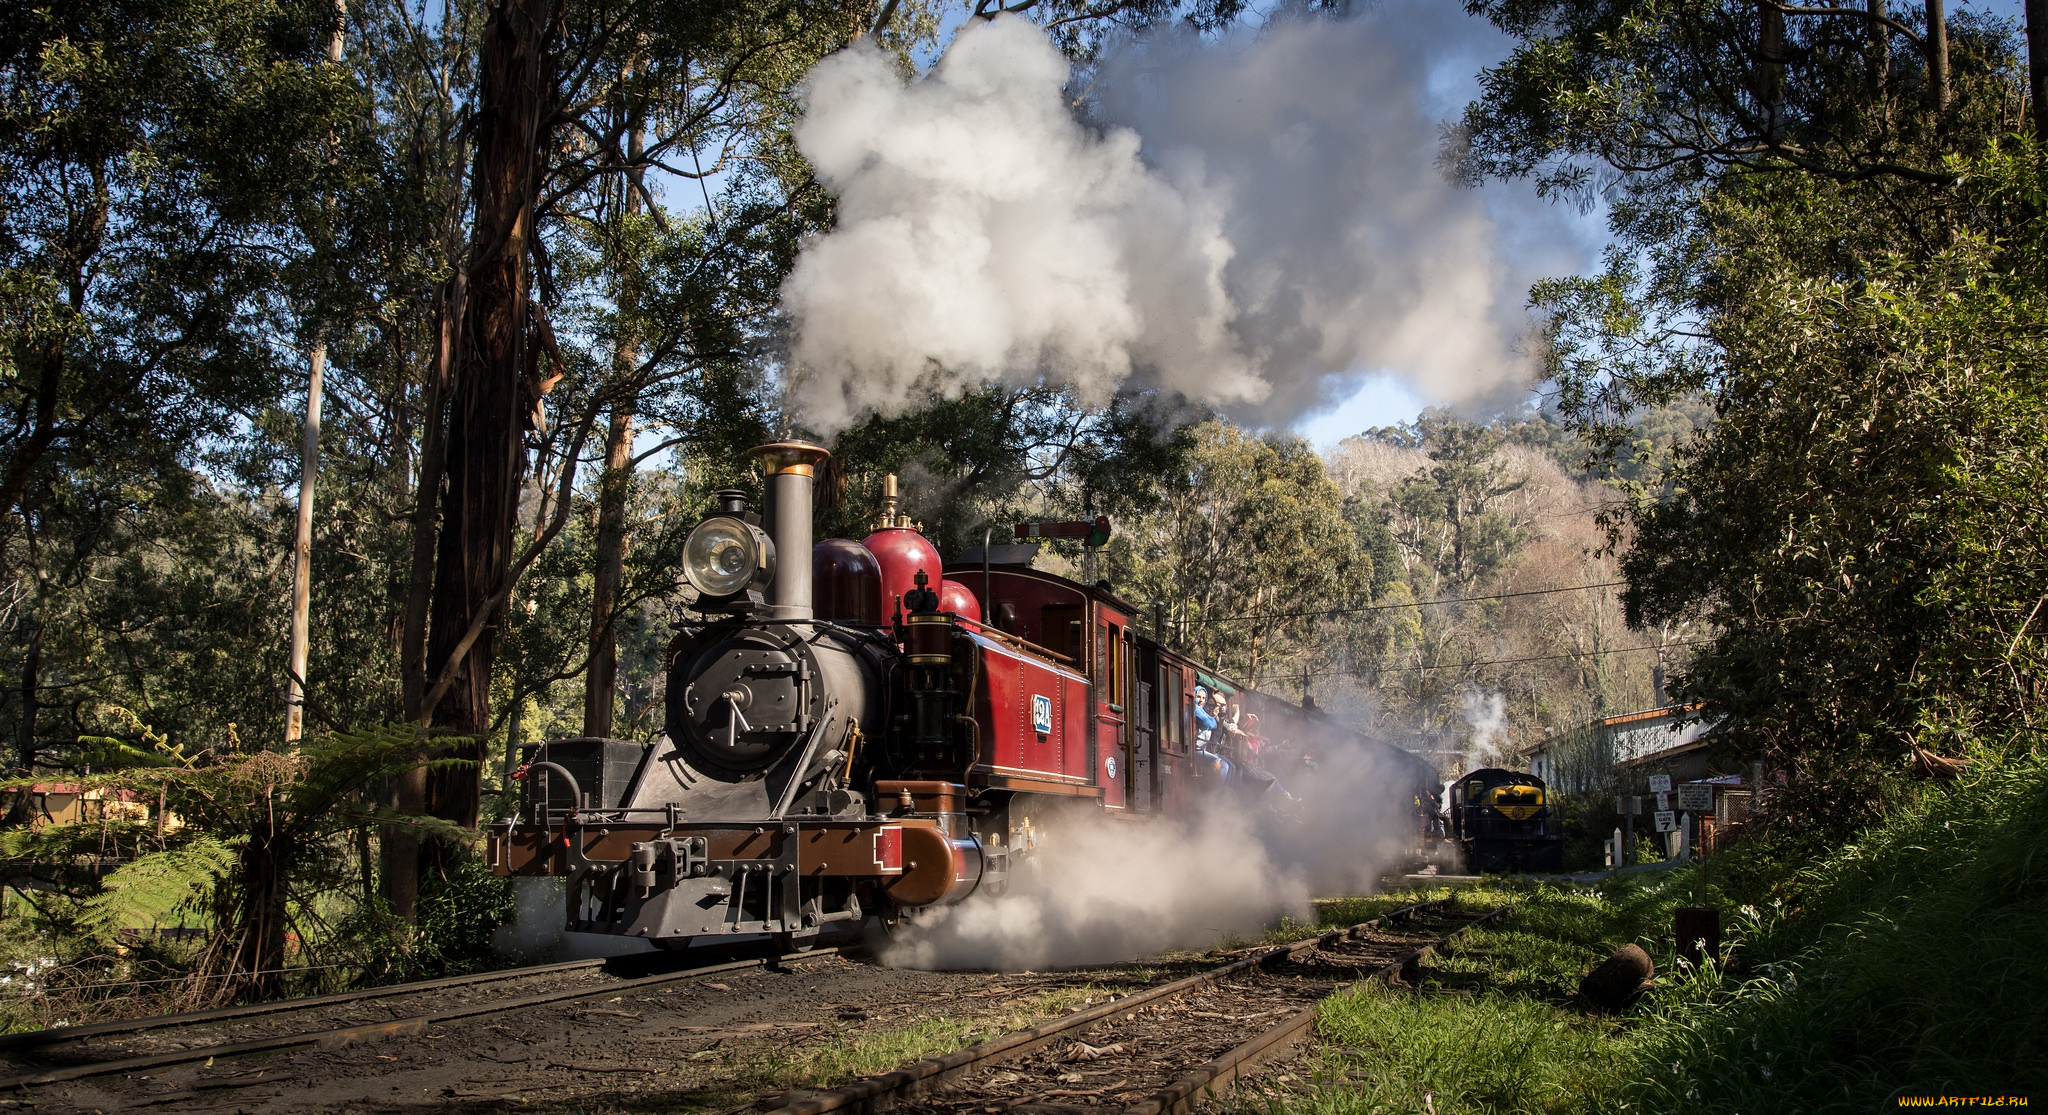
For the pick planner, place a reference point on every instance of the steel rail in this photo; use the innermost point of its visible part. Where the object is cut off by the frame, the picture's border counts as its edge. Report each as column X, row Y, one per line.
column 1223, row 1073
column 341, row 1037
column 920, row 1077
column 279, row 1006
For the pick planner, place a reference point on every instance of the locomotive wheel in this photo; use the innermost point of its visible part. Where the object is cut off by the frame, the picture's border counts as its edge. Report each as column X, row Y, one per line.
column 888, row 925
column 795, row 942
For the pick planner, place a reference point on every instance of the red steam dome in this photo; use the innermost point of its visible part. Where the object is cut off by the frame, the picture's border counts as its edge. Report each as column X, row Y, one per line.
column 902, row 552
column 958, row 599
column 846, row 582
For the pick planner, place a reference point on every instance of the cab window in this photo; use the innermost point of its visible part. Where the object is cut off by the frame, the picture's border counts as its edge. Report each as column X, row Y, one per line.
column 1114, row 654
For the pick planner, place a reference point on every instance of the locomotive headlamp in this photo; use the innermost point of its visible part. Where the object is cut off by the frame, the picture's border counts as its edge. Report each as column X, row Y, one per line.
column 724, row 555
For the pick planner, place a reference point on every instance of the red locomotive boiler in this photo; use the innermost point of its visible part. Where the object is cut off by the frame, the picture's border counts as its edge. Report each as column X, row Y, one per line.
column 854, row 734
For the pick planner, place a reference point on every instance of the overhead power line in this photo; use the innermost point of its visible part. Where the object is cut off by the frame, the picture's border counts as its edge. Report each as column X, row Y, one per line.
column 1408, row 604
column 1481, row 662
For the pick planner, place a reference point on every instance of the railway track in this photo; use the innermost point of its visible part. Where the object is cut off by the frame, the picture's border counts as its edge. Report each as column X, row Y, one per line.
column 44, row 1057
column 1158, row 1051
column 471, row 1043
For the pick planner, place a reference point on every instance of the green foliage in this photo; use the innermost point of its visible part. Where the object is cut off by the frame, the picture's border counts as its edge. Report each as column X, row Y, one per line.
column 997, row 456
column 1674, row 95
column 1248, row 545
column 1448, row 510
column 262, row 847
column 155, row 151
column 1862, row 502
column 1904, row 961
column 459, row 910
column 158, row 889
column 1844, row 259
column 1908, row 964
column 1587, row 822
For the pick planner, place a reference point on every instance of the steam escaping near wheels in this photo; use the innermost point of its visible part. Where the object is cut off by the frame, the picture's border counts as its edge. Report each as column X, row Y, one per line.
column 1101, row 889
column 1104, row 890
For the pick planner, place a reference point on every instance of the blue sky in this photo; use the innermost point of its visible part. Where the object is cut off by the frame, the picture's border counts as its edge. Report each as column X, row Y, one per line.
column 1383, row 400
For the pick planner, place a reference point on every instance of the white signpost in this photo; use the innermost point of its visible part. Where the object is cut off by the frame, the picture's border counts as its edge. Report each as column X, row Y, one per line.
column 1660, row 783
column 1696, row 799
column 1663, row 801
column 1667, row 821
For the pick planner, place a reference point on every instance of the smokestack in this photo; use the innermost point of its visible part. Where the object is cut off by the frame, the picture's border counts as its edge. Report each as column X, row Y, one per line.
column 791, row 467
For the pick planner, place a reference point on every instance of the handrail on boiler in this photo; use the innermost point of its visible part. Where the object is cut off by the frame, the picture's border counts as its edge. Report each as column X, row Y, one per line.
column 1018, row 642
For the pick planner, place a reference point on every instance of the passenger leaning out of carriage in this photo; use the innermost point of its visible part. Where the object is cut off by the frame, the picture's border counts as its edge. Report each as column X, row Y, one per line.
column 1205, row 721
column 1230, row 717
column 1253, row 741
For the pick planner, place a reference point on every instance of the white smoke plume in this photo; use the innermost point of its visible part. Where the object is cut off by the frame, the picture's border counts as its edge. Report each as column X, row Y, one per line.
column 1251, row 224
column 1487, row 715
column 535, row 932
column 1101, row 891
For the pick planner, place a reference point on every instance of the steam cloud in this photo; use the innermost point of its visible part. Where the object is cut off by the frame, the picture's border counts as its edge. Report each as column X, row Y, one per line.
column 535, row 932
column 1250, row 225
column 1487, row 714
column 1103, row 890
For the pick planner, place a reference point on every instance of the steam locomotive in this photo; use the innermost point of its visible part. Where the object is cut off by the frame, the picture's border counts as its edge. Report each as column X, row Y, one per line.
column 859, row 732
column 1501, row 820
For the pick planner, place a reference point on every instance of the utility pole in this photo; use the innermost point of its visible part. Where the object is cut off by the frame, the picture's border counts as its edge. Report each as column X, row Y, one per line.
column 309, row 470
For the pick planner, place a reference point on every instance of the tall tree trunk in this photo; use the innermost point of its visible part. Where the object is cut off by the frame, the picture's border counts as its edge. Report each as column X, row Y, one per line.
column 1770, row 70
column 1937, row 54
column 302, row 552
column 407, row 791
column 486, row 452
column 1880, row 51
column 31, row 684
column 309, row 470
column 2037, row 65
column 600, row 683
column 450, row 301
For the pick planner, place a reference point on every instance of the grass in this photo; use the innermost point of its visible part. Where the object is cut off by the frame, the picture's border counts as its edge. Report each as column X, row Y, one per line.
column 855, row 1055
column 1913, row 961
column 726, row 1076
column 1342, row 913
column 1393, row 1051
column 1489, row 1029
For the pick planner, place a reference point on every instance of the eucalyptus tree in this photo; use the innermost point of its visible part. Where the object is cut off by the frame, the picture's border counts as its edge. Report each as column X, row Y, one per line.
column 153, row 151
column 1831, row 239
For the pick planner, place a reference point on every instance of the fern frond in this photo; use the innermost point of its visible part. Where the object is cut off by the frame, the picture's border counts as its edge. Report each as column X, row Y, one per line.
column 156, row 887
column 108, row 753
column 360, row 814
column 60, row 843
column 140, row 778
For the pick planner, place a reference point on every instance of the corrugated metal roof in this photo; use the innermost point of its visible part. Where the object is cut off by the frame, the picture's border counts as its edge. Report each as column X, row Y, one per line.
column 1648, row 714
